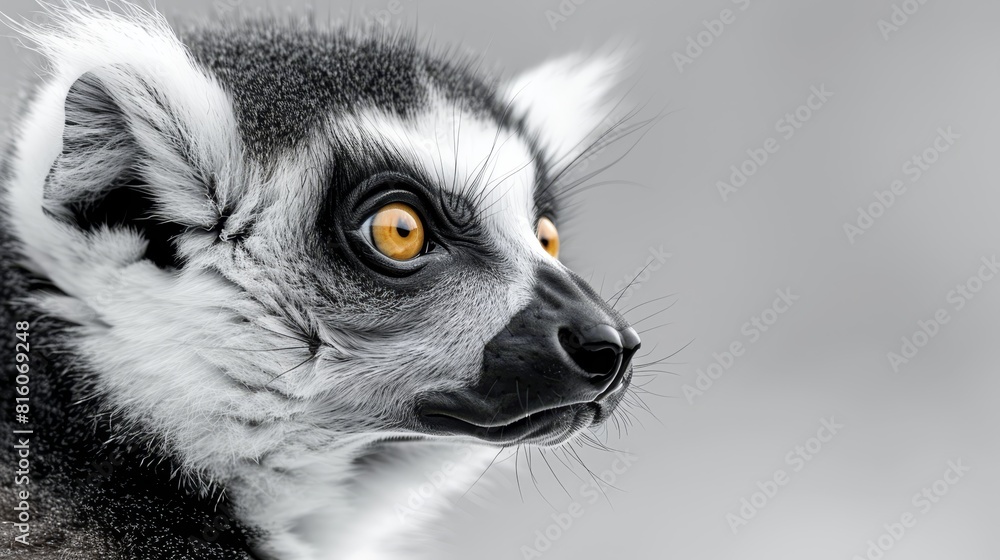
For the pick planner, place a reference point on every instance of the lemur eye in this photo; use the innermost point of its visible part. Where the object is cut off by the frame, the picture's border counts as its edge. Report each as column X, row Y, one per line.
column 548, row 236
column 397, row 231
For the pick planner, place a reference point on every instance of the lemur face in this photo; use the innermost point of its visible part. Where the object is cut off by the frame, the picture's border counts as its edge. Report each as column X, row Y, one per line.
column 437, row 261
column 304, row 235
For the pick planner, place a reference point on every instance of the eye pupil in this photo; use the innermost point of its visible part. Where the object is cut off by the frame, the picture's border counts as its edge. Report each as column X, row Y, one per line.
column 397, row 232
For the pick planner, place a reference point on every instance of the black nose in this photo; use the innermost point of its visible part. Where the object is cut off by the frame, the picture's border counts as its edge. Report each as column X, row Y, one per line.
column 601, row 351
column 564, row 351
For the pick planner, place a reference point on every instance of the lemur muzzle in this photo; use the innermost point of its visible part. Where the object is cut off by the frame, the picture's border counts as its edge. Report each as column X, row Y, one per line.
column 565, row 356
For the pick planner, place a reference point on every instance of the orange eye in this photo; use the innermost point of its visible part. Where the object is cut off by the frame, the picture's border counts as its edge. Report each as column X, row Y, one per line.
column 397, row 231
column 548, row 236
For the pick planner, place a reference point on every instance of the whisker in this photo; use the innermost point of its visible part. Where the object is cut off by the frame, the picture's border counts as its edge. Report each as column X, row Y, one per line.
column 253, row 349
column 516, row 471
column 535, row 481
column 302, row 363
column 597, row 481
column 629, row 285
column 651, row 329
column 484, row 472
column 654, row 300
column 667, row 357
column 667, row 308
column 554, row 475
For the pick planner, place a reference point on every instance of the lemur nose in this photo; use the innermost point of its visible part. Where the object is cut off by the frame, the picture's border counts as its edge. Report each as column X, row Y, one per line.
column 601, row 351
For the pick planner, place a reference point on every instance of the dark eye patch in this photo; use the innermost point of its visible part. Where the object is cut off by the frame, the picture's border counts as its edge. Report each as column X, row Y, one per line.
column 361, row 181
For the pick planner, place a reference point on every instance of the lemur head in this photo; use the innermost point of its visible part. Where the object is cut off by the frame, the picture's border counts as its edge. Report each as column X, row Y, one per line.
column 269, row 235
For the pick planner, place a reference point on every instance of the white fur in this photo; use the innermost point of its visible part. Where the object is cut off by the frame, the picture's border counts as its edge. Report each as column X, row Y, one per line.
column 467, row 154
column 566, row 102
column 313, row 501
column 190, row 351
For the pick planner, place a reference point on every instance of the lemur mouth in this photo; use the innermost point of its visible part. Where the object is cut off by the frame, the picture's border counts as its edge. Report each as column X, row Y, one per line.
column 550, row 426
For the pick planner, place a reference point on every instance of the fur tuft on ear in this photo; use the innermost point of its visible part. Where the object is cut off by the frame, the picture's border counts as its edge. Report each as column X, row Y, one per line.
column 127, row 140
column 125, row 163
column 567, row 103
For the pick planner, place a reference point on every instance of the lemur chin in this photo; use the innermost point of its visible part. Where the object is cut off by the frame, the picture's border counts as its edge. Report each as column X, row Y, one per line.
column 274, row 271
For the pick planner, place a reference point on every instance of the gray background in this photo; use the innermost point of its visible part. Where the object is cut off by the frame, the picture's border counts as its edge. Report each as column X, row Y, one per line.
column 827, row 355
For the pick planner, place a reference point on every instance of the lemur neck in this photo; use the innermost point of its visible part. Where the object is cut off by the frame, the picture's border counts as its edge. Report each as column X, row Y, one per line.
column 288, row 494
column 305, row 501
column 356, row 501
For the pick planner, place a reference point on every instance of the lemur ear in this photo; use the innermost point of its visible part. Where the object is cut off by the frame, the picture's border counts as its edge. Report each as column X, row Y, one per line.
column 567, row 102
column 145, row 132
column 124, row 163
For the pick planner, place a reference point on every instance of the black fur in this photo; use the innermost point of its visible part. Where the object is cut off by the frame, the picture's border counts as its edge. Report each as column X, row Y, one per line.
column 94, row 122
column 284, row 77
column 98, row 490
column 95, row 491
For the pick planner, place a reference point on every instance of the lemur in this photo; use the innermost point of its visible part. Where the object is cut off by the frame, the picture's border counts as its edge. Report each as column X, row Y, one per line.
column 269, row 272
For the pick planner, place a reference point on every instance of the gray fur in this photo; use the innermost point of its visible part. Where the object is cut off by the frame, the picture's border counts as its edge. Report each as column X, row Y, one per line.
column 186, row 209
